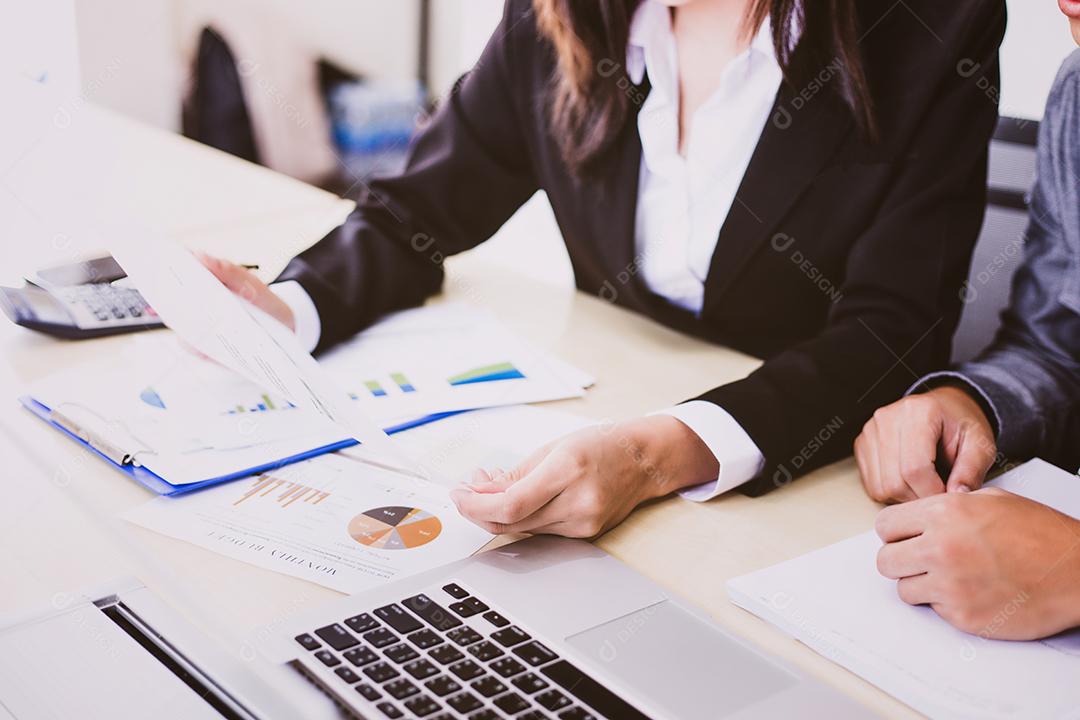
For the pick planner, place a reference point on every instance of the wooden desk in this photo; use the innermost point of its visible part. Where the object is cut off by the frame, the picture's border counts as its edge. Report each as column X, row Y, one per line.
column 59, row 519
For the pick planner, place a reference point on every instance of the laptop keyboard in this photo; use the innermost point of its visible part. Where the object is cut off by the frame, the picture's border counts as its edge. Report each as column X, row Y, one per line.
column 451, row 657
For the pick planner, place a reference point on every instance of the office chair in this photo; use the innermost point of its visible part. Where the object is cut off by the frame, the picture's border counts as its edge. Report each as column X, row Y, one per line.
column 999, row 248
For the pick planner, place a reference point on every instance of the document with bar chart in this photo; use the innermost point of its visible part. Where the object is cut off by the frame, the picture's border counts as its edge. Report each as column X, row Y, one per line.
column 335, row 520
column 446, row 358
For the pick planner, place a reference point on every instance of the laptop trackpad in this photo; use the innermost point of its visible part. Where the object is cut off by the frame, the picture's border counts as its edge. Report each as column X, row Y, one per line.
column 682, row 664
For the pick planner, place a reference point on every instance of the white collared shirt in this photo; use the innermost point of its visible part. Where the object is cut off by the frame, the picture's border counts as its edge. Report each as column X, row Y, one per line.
column 682, row 203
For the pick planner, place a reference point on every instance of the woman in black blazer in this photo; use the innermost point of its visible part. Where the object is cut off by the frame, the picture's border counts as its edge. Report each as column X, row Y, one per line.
column 800, row 180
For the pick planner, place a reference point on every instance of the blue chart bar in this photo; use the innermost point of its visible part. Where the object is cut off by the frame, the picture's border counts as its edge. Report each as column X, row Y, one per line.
column 402, row 382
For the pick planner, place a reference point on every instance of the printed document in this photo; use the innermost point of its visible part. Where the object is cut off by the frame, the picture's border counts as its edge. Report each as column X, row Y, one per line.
column 834, row 601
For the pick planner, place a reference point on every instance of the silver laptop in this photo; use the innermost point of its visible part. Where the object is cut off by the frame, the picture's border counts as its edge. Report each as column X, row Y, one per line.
column 542, row 628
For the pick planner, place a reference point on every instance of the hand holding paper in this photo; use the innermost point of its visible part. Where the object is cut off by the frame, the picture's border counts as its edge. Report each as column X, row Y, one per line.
column 202, row 311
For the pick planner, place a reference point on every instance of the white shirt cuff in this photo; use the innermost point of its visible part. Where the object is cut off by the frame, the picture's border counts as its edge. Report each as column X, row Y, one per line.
column 306, row 317
column 739, row 457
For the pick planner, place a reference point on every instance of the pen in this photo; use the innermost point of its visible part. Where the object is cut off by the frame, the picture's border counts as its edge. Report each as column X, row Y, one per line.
column 106, row 448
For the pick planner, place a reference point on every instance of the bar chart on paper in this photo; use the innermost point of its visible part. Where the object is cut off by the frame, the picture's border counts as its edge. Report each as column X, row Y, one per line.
column 247, row 399
column 336, row 520
column 400, row 382
column 267, row 487
column 395, row 528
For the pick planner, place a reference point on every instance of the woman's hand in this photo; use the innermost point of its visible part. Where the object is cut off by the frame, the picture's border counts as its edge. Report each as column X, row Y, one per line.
column 588, row 481
column 991, row 563
column 244, row 283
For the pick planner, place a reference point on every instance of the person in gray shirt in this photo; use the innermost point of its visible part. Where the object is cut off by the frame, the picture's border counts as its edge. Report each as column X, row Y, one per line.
column 990, row 562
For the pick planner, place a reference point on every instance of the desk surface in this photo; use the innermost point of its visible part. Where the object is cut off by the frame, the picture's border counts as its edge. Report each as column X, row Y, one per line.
column 59, row 521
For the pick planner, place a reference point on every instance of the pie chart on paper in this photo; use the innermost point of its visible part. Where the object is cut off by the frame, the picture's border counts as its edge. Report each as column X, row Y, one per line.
column 394, row 528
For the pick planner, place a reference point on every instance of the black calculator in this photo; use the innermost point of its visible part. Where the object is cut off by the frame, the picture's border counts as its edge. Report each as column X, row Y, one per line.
column 80, row 300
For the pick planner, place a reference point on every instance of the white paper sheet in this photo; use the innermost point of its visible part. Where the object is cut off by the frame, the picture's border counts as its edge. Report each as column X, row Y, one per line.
column 834, row 601
column 202, row 311
column 297, row 520
column 183, row 417
column 334, row 520
column 447, row 357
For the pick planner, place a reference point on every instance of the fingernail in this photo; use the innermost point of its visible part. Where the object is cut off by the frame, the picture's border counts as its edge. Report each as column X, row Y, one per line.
column 963, row 489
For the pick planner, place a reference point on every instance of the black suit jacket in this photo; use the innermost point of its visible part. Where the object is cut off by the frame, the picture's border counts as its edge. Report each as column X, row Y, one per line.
column 840, row 262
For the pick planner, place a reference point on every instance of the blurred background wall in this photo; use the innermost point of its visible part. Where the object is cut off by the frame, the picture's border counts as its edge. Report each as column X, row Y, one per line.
column 135, row 57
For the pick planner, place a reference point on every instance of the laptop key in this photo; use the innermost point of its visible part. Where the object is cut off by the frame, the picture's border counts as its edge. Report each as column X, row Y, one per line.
column 529, row 683
column 327, row 658
column 488, row 686
column 346, row 674
column 511, row 703
column 507, row 667
column 445, row 654
column 496, row 619
column 422, row 706
column 390, row 710
column 534, row 653
column 368, row 692
column 485, row 651
column 337, row 637
column 511, row 636
column 401, row 653
column 361, row 623
column 589, row 691
column 455, row 591
column 397, row 618
column 485, row 714
column 534, row 715
column 361, row 656
column 552, row 700
column 469, row 607
column 421, row 669
column 424, row 639
column 466, row 670
column 380, row 672
column 466, row 702
column 431, row 612
column 443, row 685
column 400, row 689
column 464, row 636
column 308, row 642
column 576, row 713
column 381, row 637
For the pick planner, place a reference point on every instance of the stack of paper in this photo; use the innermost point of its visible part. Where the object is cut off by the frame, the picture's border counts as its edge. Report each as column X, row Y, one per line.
column 340, row 521
column 834, row 601
column 190, row 421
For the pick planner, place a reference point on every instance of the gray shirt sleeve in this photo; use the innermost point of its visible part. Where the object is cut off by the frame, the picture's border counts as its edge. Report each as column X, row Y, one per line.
column 1030, row 375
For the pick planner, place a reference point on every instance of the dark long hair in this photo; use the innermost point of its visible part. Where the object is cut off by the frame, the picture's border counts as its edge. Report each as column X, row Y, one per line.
column 587, row 108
